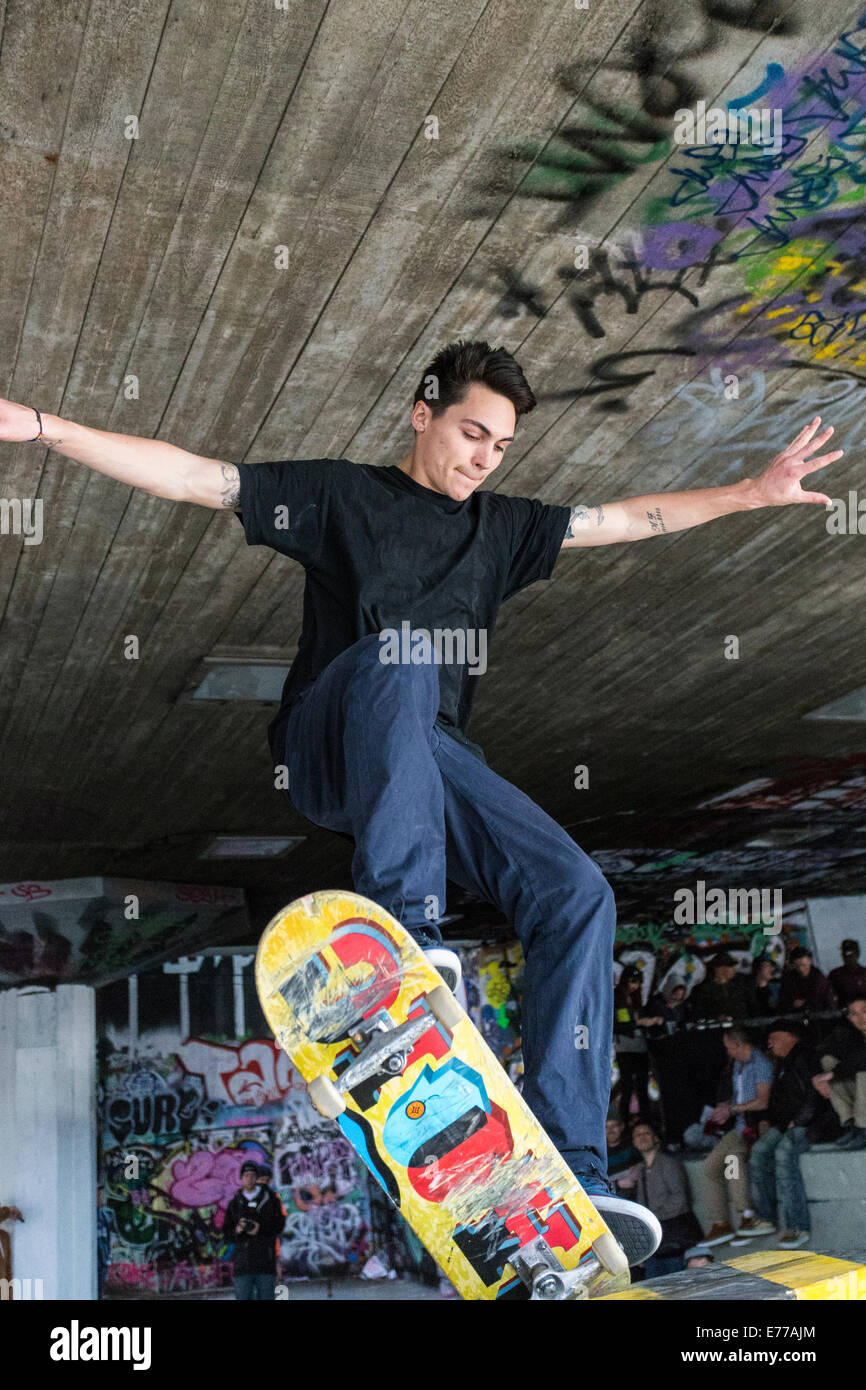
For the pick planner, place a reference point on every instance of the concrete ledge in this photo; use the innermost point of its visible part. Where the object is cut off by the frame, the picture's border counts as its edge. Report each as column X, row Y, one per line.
column 765, row 1275
column 836, row 1188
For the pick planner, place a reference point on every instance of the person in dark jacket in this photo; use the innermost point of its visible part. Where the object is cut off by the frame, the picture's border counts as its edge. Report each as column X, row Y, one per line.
column 803, row 987
column 843, row 1082
column 766, row 987
column 774, row 1163
column 725, row 994
column 848, row 980
column 254, row 1218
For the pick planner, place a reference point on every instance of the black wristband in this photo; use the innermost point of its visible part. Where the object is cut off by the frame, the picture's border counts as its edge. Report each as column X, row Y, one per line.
column 39, row 418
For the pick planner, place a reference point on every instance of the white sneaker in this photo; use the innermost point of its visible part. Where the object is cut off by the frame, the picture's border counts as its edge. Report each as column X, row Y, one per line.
column 447, row 963
column 633, row 1225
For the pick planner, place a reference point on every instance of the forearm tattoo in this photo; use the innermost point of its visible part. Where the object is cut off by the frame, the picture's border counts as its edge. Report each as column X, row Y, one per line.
column 230, row 495
column 656, row 521
column 582, row 518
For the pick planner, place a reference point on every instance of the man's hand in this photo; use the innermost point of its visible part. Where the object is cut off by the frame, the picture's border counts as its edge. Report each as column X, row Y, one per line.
column 822, row 1084
column 656, row 514
column 18, row 423
column 780, row 484
column 721, row 1114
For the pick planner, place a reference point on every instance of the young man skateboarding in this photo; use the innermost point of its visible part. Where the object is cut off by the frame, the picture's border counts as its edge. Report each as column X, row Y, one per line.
column 406, row 568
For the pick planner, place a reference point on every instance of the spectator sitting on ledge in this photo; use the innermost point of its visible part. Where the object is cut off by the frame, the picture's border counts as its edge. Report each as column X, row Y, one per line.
column 843, row 1082
column 774, row 1163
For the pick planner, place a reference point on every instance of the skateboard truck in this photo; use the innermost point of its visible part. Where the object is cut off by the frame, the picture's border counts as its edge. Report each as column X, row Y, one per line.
column 546, row 1278
column 387, row 1052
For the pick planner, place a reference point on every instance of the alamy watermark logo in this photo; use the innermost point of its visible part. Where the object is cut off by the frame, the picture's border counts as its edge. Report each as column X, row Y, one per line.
column 847, row 518
column 420, row 646
column 715, row 906
column 22, row 516
column 18, row 1289
column 77, row 1343
column 725, row 125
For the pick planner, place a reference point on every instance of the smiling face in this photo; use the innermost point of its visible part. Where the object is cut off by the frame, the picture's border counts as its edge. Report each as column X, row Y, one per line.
column 455, row 451
column 857, row 1014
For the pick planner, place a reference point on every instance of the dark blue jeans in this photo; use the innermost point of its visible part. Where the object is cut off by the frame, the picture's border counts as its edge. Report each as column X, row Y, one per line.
column 255, row 1287
column 778, row 1190
column 365, row 758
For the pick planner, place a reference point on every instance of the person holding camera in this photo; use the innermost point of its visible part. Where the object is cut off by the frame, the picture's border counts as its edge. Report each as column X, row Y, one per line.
column 254, row 1218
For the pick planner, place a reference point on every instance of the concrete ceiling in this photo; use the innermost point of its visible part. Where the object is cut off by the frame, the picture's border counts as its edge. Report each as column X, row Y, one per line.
column 259, row 265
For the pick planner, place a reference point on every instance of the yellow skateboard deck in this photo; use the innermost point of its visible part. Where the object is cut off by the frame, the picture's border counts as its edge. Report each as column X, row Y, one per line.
column 387, row 1052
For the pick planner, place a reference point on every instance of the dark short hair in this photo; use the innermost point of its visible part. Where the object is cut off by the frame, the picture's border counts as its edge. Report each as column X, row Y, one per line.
column 458, row 365
column 787, row 1025
column 722, row 958
column 800, row 953
column 849, row 944
column 740, row 1033
column 859, row 998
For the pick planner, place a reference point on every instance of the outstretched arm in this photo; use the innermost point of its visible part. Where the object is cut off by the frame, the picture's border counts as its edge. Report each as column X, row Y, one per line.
column 150, row 464
column 636, row 518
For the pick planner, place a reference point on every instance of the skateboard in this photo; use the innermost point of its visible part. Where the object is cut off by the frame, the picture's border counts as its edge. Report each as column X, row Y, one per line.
column 388, row 1053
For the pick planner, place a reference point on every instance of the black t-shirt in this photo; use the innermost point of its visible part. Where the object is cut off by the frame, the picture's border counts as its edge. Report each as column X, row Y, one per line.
column 380, row 550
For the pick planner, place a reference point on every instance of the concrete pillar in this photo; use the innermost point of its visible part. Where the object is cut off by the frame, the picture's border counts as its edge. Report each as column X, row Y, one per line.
column 48, row 1136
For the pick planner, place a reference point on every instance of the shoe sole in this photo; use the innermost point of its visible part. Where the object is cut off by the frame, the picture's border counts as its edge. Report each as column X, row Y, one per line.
column 637, row 1237
column 718, row 1240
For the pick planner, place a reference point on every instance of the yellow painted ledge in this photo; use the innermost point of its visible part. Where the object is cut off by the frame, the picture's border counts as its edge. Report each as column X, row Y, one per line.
column 807, row 1275
column 804, row 1275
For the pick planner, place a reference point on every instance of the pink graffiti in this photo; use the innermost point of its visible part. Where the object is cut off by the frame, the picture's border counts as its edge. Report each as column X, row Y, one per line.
column 31, row 891
column 208, row 1179
column 134, row 1276
column 253, row 1074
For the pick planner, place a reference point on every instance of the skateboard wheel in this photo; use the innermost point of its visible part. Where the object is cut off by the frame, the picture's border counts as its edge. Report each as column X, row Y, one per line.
column 444, row 1007
column 325, row 1097
column 610, row 1253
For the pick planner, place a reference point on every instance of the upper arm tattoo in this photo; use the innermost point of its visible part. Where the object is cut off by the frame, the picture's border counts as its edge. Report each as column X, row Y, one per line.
column 230, row 496
column 656, row 521
column 582, row 518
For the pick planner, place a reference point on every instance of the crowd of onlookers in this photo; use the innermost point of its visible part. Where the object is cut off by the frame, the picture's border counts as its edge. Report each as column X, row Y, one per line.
column 771, row 1064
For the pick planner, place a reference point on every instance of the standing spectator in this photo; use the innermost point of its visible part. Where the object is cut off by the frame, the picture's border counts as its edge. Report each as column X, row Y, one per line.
column 766, row 987
column 106, row 1226
column 726, row 994
column 843, row 1055
column 804, row 987
column 670, row 1060
column 848, row 980
column 662, row 1185
column 669, row 1007
column 254, row 1218
column 622, row 1156
column 726, row 1167
column 777, row 1182
column 629, row 1042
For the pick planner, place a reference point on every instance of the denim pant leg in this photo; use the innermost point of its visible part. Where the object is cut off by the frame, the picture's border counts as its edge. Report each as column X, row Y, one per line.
column 359, row 750
column 762, row 1171
column 264, row 1287
column 793, row 1202
column 506, row 849
column 244, row 1287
